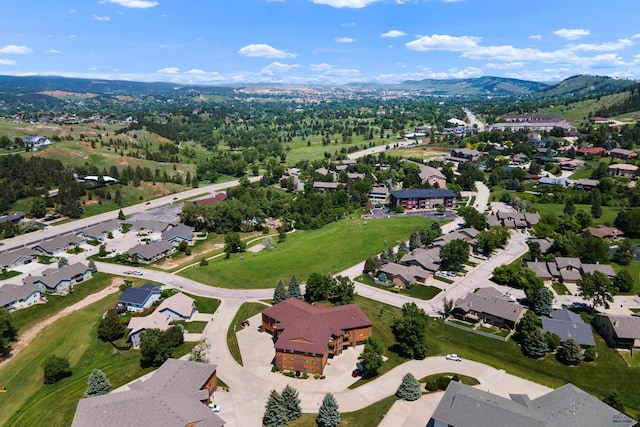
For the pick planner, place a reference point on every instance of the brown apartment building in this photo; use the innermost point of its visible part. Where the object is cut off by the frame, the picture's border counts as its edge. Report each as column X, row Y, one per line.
column 307, row 335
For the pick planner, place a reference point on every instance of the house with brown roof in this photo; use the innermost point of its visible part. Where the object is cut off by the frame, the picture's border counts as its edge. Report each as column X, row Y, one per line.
column 513, row 220
column 567, row 269
column 623, row 170
column 177, row 394
column 619, row 331
column 488, row 305
column 138, row 325
column 306, row 336
column 427, row 259
column 402, row 275
column 591, row 150
column 607, row 233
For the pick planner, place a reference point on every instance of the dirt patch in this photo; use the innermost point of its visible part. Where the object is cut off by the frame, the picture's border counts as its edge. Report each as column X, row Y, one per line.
column 25, row 338
column 196, row 256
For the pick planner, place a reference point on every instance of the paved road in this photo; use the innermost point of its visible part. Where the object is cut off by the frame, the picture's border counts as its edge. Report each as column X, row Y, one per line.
column 55, row 230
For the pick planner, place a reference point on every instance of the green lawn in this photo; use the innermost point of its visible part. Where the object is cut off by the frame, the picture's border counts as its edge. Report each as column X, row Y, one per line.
column 9, row 274
column 330, row 250
column 195, row 327
column 416, row 291
column 560, row 288
column 372, row 415
column 464, row 379
column 246, row 310
column 205, row 305
column 609, row 213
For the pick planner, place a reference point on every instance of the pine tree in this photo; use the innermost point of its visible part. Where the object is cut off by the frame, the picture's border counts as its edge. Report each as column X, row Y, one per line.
column 291, row 403
column 535, row 344
column 328, row 415
column 110, row 327
column 92, row 267
column 280, row 293
column 97, row 384
column 371, row 264
column 275, row 414
column 294, row 288
column 542, row 302
column 121, row 216
column 409, row 388
column 414, row 241
column 570, row 353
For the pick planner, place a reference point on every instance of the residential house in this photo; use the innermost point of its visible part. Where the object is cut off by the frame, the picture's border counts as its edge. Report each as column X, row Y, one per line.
column 57, row 245
column 36, row 142
column 545, row 244
column 150, row 226
column 100, row 231
column 465, row 154
column 403, row 275
column 519, row 158
column 423, row 130
column 431, row 175
column 544, row 159
column 15, row 297
column 488, row 305
column 379, row 195
column 591, row 150
column 179, row 233
column 568, row 406
column 427, row 259
column 586, row 184
column 423, row 198
column 307, row 335
column 621, row 153
column 567, row 324
column 607, row 233
column 567, row 269
column 140, row 298
column 623, row 170
column 60, row 280
column 138, row 325
column 552, row 180
column 212, row 200
column 570, row 165
column 178, row 307
column 513, row 220
column 147, row 253
column 619, row 331
column 177, row 394
column 355, row 175
column 468, row 234
column 14, row 217
column 327, row 186
column 16, row 258
column 598, row 120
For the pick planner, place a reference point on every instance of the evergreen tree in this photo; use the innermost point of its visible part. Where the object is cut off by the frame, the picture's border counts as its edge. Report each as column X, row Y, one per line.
column 569, row 208
column 625, row 252
column 535, row 344
column 294, row 288
column 328, row 415
column 280, row 293
column 97, row 384
column 623, row 281
column 92, row 267
column 291, row 403
column 542, row 302
column 8, row 332
column 596, row 209
column 371, row 264
column 121, row 216
column 275, row 414
column 409, row 388
column 570, row 353
column 414, row 241
column 111, row 327
column 62, row 262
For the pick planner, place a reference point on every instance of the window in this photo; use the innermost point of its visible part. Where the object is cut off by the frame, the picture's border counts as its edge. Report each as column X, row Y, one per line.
column 306, row 361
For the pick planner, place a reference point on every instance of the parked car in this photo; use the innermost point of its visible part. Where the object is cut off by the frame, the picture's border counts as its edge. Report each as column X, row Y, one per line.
column 137, row 273
column 148, row 203
column 357, row 373
column 454, row 357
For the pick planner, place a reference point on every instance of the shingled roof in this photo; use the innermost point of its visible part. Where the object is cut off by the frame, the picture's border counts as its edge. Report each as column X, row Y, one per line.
column 491, row 301
column 308, row 328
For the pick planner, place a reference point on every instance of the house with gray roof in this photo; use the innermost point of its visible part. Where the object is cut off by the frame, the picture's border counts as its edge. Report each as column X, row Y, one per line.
column 179, row 233
column 427, row 259
column 15, row 258
column 567, row 324
column 138, row 325
column 57, row 245
column 468, row 234
column 178, row 307
column 619, row 331
column 379, row 195
column 60, row 280
column 150, row 252
column 327, row 186
column 423, row 198
column 567, row 269
column 488, row 305
column 15, row 297
column 465, row 154
column 586, row 184
column 402, row 275
column 431, row 175
column 13, row 217
column 568, row 406
column 140, row 298
column 177, row 394
column 150, row 226
column 99, row 231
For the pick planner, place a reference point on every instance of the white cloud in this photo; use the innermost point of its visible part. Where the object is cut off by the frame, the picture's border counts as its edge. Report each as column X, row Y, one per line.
column 635, row 36
column 444, row 42
column 393, row 33
column 320, row 67
column 506, row 65
column 572, row 34
column 602, row 47
column 135, row 4
column 7, row 62
column 264, row 51
column 169, row 70
column 195, row 71
column 278, row 68
column 345, row 40
column 348, row 24
column 101, row 18
column 72, row 11
column 53, row 51
column 15, row 49
column 535, row 37
column 352, row 4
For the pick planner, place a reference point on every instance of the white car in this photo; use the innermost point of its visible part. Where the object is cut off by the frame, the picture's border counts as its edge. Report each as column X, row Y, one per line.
column 137, row 273
column 454, row 357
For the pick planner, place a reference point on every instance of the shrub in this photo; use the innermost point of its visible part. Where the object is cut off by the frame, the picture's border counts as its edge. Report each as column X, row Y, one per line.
column 590, row 354
column 55, row 369
column 431, row 385
column 443, row 382
column 316, row 376
column 273, row 369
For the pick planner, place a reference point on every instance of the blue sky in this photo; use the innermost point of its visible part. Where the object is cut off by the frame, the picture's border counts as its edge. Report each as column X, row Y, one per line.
column 319, row 41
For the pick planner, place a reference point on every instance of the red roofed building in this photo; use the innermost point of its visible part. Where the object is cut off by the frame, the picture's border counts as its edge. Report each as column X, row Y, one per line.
column 599, row 120
column 591, row 150
column 220, row 197
column 306, row 335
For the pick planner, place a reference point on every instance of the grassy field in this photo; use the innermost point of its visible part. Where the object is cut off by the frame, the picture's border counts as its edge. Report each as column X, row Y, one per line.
column 583, row 109
column 205, row 305
column 29, row 402
column 328, row 250
column 424, row 153
column 246, row 310
column 609, row 213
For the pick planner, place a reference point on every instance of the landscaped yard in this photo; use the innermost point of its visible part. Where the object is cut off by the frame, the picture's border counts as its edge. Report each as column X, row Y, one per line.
column 560, row 288
column 195, row 327
column 205, row 305
column 416, row 291
column 29, row 402
column 9, row 274
column 369, row 416
column 246, row 310
column 330, row 249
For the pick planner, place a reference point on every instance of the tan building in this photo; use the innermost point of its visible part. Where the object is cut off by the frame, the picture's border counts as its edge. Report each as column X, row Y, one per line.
column 307, row 335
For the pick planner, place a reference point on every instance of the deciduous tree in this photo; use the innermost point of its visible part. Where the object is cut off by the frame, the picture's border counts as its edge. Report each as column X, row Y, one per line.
column 55, row 369
column 453, row 254
column 597, row 287
column 111, row 327
column 371, row 357
column 623, row 281
column 409, row 331
column 8, row 332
